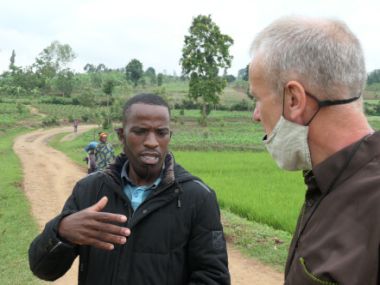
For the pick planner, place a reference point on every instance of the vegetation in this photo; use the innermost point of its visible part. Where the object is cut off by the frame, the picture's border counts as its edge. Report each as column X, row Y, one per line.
column 134, row 71
column 205, row 52
column 16, row 224
column 373, row 77
column 257, row 240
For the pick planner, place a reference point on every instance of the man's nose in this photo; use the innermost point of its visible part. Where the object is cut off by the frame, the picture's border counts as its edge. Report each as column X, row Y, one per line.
column 256, row 114
column 151, row 140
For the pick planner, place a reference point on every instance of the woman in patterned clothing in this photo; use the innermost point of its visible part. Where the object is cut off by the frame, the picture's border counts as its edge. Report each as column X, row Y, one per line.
column 104, row 152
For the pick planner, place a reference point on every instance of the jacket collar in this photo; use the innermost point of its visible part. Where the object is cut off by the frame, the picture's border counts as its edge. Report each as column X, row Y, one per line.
column 347, row 161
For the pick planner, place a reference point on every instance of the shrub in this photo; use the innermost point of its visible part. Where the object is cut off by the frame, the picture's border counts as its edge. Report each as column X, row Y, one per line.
column 50, row 121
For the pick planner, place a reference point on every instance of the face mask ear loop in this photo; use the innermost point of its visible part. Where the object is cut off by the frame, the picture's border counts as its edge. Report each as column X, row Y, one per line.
column 319, row 108
column 283, row 103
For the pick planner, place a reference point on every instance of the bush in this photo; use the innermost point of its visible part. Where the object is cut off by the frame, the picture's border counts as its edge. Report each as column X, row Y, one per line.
column 243, row 105
column 21, row 109
column 50, row 121
column 58, row 101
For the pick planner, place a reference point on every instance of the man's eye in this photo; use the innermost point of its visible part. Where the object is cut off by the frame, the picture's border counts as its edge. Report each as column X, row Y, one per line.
column 139, row 132
column 162, row 133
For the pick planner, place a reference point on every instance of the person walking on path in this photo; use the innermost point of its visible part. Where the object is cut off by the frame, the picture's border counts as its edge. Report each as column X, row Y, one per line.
column 143, row 220
column 308, row 76
column 75, row 125
column 90, row 158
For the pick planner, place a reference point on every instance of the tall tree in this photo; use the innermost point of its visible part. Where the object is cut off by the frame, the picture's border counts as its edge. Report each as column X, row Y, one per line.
column 64, row 82
column 55, row 57
column 134, row 71
column 205, row 53
column 89, row 68
column 12, row 61
column 101, row 67
column 108, row 87
column 243, row 73
column 51, row 61
column 151, row 74
column 374, row 76
column 160, row 79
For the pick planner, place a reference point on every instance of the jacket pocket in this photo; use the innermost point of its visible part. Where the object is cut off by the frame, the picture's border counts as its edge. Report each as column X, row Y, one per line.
column 311, row 277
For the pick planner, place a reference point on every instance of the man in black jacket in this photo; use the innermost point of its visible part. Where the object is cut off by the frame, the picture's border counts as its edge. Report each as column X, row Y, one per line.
column 144, row 220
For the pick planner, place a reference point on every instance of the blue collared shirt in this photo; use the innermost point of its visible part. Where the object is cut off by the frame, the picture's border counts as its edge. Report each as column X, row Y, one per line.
column 135, row 193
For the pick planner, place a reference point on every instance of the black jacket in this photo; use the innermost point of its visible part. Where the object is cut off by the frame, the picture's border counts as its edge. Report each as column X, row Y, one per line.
column 176, row 234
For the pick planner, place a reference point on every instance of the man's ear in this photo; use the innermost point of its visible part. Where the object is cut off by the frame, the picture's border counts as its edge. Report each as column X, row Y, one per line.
column 120, row 133
column 295, row 102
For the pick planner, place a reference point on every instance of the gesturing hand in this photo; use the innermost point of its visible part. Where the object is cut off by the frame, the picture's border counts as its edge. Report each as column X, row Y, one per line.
column 93, row 227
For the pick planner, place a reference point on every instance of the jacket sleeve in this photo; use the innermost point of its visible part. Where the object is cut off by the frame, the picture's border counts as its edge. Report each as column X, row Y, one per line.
column 50, row 257
column 207, row 252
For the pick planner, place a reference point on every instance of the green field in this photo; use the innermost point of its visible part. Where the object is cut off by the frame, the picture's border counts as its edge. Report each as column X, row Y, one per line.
column 250, row 185
column 11, row 113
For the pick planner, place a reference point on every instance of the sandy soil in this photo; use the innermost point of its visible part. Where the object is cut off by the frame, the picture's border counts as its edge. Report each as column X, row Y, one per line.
column 49, row 177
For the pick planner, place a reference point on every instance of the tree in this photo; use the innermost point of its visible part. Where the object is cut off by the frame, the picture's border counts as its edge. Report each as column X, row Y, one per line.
column 108, row 87
column 12, row 61
column 55, row 57
column 151, row 74
column 89, row 68
column 243, row 73
column 160, row 79
column 134, row 71
column 205, row 52
column 65, row 82
column 374, row 76
column 51, row 61
column 101, row 67
column 230, row 78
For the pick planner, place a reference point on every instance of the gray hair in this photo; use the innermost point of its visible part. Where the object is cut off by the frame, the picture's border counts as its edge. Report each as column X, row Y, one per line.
column 323, row 54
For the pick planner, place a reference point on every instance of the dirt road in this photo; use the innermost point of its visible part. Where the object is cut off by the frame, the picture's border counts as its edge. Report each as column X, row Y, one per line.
column 49, row 177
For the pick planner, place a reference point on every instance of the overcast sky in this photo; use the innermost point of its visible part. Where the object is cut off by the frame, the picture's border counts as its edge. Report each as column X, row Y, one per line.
column 113, row 32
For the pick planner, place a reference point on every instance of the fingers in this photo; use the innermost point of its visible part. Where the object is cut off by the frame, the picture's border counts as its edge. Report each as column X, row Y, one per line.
column 108, row 228
column 109, row 217
column 93, row 227
column 100, row 204
column 106, row 238
column 99, row 244
column 106, row 217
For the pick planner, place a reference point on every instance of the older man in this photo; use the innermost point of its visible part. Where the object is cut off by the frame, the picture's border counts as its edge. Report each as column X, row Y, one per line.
column 308, row 76
column 143, row 220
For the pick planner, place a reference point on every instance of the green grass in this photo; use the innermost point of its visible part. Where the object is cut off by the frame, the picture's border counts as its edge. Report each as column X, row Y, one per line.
column 256, row 240
column 17, row 227
column 11, row 113
column 250, row 185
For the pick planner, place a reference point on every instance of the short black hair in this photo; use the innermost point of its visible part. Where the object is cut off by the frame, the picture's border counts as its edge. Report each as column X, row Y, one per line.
column 144, row 98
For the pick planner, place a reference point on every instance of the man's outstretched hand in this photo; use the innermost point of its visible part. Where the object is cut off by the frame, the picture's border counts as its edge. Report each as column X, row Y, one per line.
column 93, row 227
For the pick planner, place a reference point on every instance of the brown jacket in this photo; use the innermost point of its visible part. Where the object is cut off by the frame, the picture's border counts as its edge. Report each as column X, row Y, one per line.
column 337, row 239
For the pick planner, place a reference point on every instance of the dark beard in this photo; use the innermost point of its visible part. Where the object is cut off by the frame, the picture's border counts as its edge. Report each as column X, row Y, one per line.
column 148, row 172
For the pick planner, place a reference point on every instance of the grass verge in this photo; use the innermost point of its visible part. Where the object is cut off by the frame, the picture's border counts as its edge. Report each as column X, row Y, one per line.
column 17, row 226
column 259, row 241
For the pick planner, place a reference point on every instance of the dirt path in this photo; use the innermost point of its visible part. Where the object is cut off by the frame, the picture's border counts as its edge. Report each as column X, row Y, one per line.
column 49, row 177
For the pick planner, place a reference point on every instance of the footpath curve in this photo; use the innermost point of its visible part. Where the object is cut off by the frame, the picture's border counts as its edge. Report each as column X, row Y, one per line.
column 49, row 177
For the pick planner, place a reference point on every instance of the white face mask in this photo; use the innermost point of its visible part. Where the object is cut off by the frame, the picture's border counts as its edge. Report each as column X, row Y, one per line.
column 288, row 145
